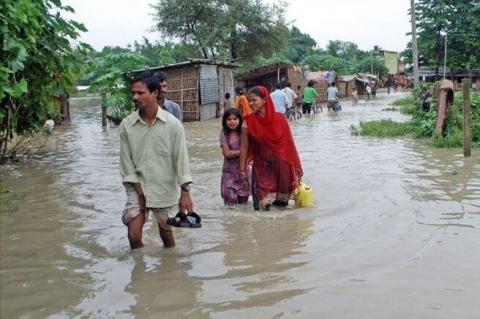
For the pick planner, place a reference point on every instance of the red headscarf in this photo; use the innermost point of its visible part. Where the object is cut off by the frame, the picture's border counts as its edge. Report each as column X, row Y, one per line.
column 274, row 130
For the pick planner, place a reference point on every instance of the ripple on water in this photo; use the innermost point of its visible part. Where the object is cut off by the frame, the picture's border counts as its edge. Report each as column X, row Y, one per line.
column 387, row 212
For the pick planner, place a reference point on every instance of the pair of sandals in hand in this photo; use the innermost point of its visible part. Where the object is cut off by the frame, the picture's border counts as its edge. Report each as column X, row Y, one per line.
column 192, row 220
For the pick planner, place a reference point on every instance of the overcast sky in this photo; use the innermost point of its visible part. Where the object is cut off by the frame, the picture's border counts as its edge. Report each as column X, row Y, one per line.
column 365, row 22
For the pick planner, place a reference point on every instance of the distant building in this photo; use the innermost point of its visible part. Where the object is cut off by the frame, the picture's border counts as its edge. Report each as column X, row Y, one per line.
column 391, row 61
column 456, row 75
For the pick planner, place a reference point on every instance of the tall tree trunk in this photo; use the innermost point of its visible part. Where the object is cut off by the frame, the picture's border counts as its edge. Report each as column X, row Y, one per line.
column 233, row 45
column 414, row 45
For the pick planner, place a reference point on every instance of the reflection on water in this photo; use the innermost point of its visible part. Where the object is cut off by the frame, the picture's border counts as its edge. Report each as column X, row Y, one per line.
column 393, row 220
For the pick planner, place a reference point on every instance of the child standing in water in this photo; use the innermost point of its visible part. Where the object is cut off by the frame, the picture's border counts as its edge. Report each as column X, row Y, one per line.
column 232, row 189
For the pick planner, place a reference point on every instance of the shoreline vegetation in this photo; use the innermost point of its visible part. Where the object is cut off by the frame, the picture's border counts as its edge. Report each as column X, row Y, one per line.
column 422, row 124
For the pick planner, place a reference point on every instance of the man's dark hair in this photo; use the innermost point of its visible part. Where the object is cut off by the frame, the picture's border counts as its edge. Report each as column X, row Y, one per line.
column 238, row 90
column 278, row 86
column 332, row 84
column 160, row 75
column 227, row 95
column 311, row 83
column 147, row 78
column 287, row 84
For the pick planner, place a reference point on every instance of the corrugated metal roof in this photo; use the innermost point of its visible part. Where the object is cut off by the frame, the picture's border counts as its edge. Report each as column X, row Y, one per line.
column 186, row 63
column 260, row 71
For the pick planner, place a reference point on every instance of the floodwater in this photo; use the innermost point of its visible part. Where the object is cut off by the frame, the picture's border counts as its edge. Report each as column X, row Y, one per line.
column 394, row 232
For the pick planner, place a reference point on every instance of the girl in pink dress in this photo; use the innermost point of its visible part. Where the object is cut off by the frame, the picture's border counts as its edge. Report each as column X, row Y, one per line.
column 232, row 189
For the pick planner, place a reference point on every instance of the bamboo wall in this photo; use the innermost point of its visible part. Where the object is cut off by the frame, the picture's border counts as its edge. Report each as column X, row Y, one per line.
column 321, row 87
column 295, row 76
column 183, row 84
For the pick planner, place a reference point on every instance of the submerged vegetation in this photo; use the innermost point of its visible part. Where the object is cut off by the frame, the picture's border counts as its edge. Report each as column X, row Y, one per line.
column 423, row 124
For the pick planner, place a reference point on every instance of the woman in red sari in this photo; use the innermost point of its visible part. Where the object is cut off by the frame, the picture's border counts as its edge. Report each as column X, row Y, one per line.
column 267, row 144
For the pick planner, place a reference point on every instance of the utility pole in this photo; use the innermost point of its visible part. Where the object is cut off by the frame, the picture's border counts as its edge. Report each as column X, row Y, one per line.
column 445, row 57
column 371, row 62
column 414, row 44
column 467, row 128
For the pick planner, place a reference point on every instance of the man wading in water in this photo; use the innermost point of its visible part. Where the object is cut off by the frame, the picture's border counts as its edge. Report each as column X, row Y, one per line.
column 153, row 163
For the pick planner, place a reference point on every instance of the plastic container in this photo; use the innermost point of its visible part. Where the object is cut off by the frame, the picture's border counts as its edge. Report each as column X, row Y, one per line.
column 304, row 196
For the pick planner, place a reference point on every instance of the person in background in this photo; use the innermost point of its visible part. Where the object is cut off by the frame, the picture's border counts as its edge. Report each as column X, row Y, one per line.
column 374, row 90
column 49, row 123
column 355, row 97
column 287, row 89
column 426, row 101
column 389, row 83
column 241, row 102
column 154, row 163
column 164, row 103
column 267, row 143
column 309, row 94
column 368, row 90
column 280, row 100
column 232, row 189
column 226, row 104
column 299, row 100
column 332, row 99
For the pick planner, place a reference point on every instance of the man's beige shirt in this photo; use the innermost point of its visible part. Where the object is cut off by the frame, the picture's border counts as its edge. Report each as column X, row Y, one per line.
column 155, row 156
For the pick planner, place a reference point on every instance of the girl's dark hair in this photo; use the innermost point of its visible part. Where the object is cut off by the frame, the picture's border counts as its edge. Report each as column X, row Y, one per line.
column 256, row 90
column 227, row 95
column 226, row 115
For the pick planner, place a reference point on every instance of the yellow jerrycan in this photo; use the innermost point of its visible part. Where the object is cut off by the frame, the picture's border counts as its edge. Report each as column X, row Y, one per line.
column 304, row 196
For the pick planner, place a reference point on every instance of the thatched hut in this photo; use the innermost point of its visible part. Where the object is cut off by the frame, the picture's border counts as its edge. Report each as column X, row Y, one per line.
column 269, row 75
column 198, row 86
column 321, row 83
column 346, row 84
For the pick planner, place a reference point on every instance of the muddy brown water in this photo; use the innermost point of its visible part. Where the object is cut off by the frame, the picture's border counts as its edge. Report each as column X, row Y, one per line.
column 394, row 232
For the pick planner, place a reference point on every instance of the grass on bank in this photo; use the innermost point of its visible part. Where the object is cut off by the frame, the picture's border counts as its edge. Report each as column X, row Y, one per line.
column 381, row 128
column 423, row 124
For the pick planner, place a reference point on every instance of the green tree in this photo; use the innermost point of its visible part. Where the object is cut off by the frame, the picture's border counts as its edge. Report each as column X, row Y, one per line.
column 236, row 29
column 107, row 72
column 345, row 50
column 318, row 62
column 299, row 45
column 460, row 20
column 38, row 64
column 156, row 54
column 367, row 64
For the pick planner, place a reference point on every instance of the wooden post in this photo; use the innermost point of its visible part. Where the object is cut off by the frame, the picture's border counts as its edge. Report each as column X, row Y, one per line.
column 104, row 109
column 467, row 130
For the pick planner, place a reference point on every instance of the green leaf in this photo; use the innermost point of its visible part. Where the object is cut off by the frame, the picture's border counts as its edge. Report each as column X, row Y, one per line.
column 10, row 44
column 20, row 88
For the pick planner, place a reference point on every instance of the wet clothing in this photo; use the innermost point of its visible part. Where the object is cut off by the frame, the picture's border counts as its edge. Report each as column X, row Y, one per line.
column 241, row 103
column 232, row 189
column 306, row 108
column 272, row 175
column 272, row 152
column 309, row 94
column 172, row 107
column 292, row 96
column 132, row 209
column 332, row 93
column 280, row 101
column 155, row 156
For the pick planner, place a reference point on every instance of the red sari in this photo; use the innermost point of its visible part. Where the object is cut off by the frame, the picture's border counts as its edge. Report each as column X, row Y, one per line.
column 272, row 152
